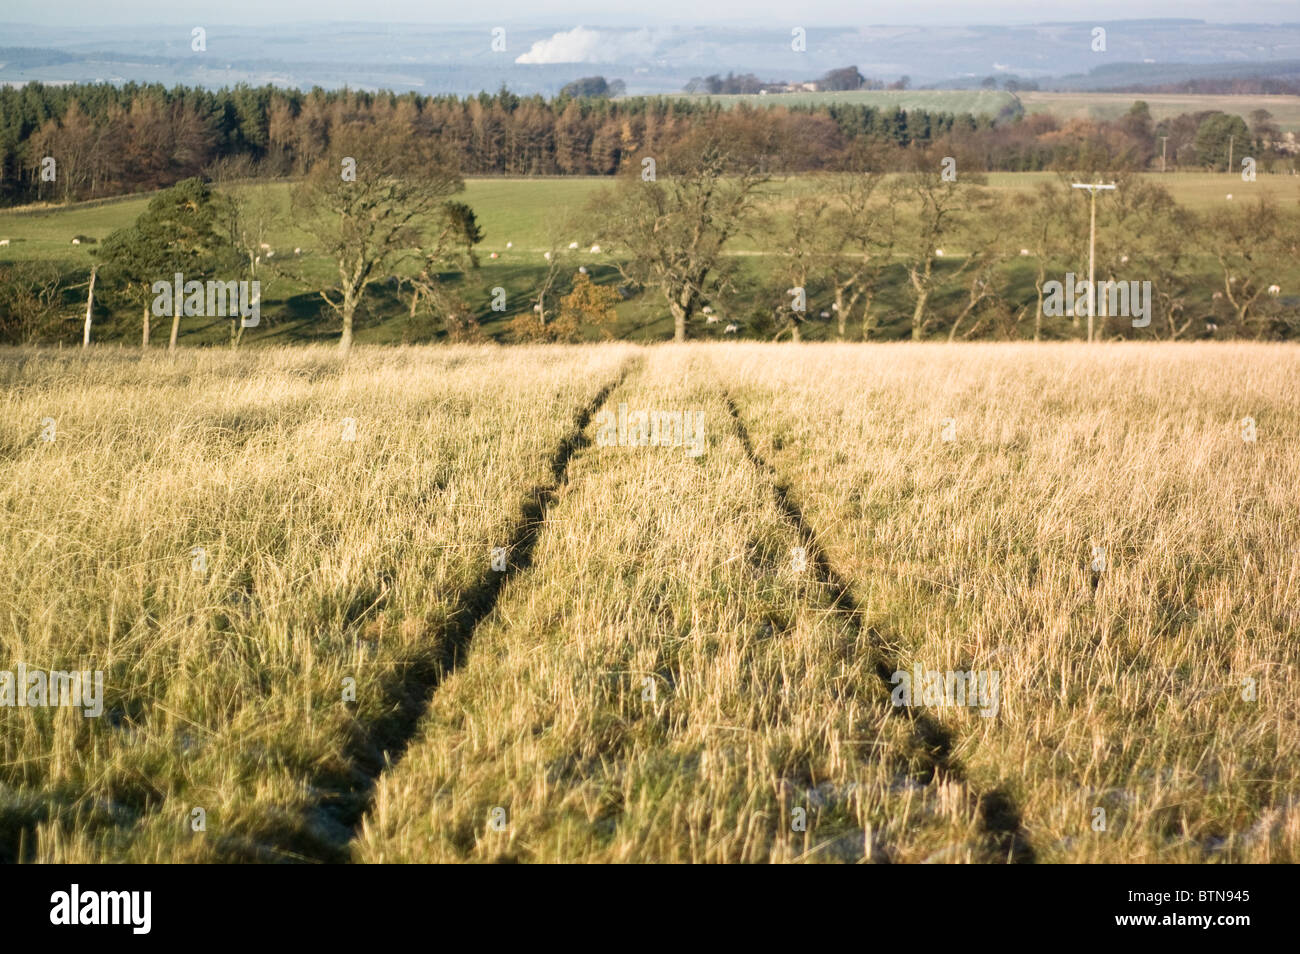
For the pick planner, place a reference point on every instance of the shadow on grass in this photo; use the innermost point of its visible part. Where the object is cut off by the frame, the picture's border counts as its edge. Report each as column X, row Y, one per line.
column 1000, row 819
column 377, row 747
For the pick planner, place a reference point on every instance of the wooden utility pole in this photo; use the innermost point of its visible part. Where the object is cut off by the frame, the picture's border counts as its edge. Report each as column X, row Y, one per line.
column 1164, row 145
column 90, row 306
column 1093, row 189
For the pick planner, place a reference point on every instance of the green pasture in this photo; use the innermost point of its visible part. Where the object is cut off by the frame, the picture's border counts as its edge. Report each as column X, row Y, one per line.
column 533, row 216
column 1285, row 109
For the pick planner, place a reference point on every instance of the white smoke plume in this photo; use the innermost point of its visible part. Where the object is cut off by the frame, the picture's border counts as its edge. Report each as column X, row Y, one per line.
column 581, row 45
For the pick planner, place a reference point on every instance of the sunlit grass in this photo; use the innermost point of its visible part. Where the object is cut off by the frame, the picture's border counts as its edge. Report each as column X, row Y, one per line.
column 659, row 677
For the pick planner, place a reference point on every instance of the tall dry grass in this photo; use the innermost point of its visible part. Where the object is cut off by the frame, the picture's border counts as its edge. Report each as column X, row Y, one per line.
column 977, row 552
column 326, row 560
column 663, row 684
column 529, row 691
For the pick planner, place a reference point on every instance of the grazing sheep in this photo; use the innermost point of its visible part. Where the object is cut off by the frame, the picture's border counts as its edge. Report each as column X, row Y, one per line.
column 546, row 255
column 595, row 250
column 708, row 310
column 939, row 252
column 730, row 329
column 826, row 314
column 4, row 241
column 510, row 244
column 537, row 307
column 493, row 255
column 1024, row 251
column 1123, row 259
column 264, row 246
column 1275, row 290
column 297, row 251
column 1211, row 327
column 270, row 252
column 76, row 241
column 582, row 269
column 711, row 319
column 1229, row 195
column 573, row 245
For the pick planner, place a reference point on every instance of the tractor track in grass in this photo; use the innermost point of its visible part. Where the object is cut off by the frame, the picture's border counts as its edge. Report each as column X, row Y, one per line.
column 999, row 816
column 382, row 744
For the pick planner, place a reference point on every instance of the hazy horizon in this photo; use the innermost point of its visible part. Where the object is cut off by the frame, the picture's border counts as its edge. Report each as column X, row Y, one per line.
column 824, row 13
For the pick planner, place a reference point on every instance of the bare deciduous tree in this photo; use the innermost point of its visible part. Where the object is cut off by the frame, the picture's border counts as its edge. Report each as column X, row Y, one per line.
column 670, row 233
column 372, row 224
column 934, row 210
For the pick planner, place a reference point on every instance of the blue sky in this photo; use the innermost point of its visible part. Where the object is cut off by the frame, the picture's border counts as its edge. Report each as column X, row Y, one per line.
column 645, row 12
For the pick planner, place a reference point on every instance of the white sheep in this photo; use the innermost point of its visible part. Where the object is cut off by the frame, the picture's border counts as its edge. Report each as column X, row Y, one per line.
column 510, row 244
column 595, row 250
column 1275, row 290
column 76, row 241
column 297, row 251
column 546, row 255
column 730, row 329
column 939, row 252
column 270, row 252
column 264, row 246
column 826, row 314
column 4, row 241
column 582, row 269
column 708, row 310
column 1024, row 251
column 493, row 255
column 711, row 319
column 573, row 245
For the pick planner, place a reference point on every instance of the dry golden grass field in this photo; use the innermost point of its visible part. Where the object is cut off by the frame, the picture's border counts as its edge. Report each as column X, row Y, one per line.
column 440, row 604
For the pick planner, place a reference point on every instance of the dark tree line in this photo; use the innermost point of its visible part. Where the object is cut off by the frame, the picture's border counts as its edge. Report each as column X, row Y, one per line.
column 111, row 140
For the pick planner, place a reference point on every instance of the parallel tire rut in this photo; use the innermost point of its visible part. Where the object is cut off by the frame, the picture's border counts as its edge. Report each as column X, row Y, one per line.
column 383, row 743
column 999, row 817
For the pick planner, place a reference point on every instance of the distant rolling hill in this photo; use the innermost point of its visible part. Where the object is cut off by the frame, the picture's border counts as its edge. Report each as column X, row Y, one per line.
column 542, row 57
column 1285, row 109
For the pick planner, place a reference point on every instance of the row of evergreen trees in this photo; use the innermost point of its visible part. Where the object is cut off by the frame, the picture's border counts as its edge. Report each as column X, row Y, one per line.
column 110, row 140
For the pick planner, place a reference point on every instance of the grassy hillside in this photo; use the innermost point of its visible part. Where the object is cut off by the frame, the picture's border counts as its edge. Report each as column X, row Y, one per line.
column 527, row 211
column 533, row 216
column 1285, row 109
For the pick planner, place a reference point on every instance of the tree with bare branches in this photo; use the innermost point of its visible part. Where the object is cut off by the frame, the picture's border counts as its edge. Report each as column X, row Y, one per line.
column 933, row 210
column 368, row 206
column 670, row 233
